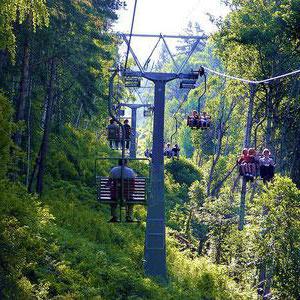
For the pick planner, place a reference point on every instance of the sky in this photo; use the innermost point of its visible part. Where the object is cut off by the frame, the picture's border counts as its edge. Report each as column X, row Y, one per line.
column 166, row 17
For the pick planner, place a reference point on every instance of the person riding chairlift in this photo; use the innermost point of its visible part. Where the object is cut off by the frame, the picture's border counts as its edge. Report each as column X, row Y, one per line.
column 253, row 161
column 113, row 134
column 204, row 120
column 127, row 133
column 175, row 151
column 193, row 119
column 168, row 151
column 247, row 163
column 199, row 121
column 116, row 174
column 266, row 166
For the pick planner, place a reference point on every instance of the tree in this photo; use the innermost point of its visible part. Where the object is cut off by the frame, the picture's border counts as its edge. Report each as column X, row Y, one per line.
column 279, row 238
column 34, row 12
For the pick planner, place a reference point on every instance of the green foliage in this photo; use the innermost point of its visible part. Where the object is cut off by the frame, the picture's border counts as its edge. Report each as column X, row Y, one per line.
column 180, row 175
column 220, row 216
column 202, row 280
column 197, row 193
column 18, row 11
column 279, row 238
column 5, row 134
column 23, row 243
column 65, row 248
column 183, row 171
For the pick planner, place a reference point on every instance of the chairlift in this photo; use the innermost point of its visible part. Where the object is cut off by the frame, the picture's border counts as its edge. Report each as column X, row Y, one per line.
column 121, row 191
column 133, row 82
column 188, row 84
column 199, row 121
column 172, row 153
column 252, row 169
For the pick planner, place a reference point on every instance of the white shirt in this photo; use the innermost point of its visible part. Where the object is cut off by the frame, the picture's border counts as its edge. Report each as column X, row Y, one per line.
column 266, row 161
column 168, row 149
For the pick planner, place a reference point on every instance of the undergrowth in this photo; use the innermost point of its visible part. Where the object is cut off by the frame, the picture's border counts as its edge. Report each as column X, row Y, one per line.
column 61, row 247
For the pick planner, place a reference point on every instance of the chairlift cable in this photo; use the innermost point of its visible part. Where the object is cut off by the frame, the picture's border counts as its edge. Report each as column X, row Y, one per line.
column 252, row 81
column 131, row 29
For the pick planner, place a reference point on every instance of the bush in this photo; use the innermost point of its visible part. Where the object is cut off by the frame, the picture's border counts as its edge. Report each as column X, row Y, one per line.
column 23, row 246
column 83, row 256
column 183, row 171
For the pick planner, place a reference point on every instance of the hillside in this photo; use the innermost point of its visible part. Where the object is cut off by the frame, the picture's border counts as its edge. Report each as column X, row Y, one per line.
column 216, row 113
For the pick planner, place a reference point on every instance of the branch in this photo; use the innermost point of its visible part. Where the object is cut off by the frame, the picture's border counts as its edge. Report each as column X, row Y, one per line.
column 220, row 183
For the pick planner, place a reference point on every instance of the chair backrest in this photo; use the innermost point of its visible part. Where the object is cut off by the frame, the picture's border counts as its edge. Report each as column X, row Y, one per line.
column 109, row 191
column 113, row 133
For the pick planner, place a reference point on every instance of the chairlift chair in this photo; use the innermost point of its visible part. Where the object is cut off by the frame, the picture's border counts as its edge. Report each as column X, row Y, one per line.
column 188, row 84
column 198, row 124
column 133, row 82
column 122, row 191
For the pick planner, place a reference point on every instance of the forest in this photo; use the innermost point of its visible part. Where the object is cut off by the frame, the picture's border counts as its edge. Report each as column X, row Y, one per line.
column 226, row 237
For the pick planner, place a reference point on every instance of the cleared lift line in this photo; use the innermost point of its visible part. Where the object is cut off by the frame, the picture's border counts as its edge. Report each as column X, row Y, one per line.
column 155, row 244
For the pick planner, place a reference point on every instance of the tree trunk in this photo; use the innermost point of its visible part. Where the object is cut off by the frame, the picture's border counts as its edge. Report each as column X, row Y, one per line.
column 269, row 119
column 200, row 246
column 242, row 204
column 247, row 142
column 218, row 250
column 29, row 138
column 47, row 128
column 295, row 164
column 23, row 88
column 295, row 169
column 35, row 168
column 233, row 188
column 261, row 280
column 79, row 116
column 188, row 223
column 220, row 136
column 267, row 291
column 3, row 61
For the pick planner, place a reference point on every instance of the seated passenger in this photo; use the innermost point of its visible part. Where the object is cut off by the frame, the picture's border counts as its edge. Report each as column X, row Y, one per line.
column 127, row 133
column 266, row 166
column 148, row 153
column 168, row 151
column 113, row 134
column 205, row 120
column 193, row 120
column 175, row 151
column 242, row 161
column 115, row 173
column 251, row 165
